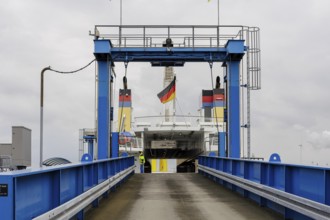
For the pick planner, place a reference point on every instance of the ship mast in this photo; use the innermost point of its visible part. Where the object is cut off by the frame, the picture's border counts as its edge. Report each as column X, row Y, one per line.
column 169, row 106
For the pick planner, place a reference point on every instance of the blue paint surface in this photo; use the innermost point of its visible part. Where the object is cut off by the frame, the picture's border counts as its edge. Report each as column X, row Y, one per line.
column 115, row 145
column 234, row 128
column 304, row 181
column 36, row 191
column 125, row 104
column 124, row 154
column 218, row 104
column 103, row 110
column 101, row 46
column 275, row 158
column 207, row 104
column 86, row 158
column 222, row 144
column 212, row 154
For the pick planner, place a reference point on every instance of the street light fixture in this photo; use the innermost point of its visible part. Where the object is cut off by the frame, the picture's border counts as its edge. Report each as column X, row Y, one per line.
column 42, row 112
column 42, row 100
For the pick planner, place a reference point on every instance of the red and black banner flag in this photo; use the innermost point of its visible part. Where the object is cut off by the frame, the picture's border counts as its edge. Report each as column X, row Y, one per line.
column 207, row 98
column 168, row 93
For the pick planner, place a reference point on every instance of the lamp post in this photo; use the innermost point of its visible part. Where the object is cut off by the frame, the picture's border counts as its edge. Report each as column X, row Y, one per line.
column 42, row 111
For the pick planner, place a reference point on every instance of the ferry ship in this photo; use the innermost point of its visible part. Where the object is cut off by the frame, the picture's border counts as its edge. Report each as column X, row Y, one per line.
column 170, row 142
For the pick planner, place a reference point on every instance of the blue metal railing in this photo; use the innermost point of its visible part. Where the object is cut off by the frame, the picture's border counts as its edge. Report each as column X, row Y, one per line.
column 30, row 193
column 305, row 187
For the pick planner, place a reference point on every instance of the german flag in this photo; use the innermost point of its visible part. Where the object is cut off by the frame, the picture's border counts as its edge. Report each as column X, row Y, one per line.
column 168, row 93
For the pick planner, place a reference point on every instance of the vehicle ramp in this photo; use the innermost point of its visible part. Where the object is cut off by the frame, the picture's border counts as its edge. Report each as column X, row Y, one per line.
column 176, row 196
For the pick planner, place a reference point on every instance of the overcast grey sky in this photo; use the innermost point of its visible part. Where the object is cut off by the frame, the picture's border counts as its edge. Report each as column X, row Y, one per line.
column 291, row 109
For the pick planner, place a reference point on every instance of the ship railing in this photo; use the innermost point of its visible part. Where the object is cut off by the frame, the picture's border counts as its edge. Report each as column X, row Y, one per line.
column 130, row 144
column 177, row 121
column 211, row 143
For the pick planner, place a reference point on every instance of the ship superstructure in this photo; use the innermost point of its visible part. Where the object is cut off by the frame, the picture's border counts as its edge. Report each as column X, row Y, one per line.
column 171, row 143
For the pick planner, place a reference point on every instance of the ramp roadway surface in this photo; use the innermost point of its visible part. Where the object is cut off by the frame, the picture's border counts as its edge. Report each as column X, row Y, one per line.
column 176, row 196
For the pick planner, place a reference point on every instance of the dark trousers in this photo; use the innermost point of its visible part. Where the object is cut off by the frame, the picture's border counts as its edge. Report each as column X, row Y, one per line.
column 141, row 168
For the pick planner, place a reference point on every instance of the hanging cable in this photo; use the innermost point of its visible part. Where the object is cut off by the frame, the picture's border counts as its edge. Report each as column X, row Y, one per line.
column 216, row 116
column 122, row 102
column 223, row 121
column 126, row 64
column 74, row 71
column 115, row 92
column 211, row 68
column 184, row 118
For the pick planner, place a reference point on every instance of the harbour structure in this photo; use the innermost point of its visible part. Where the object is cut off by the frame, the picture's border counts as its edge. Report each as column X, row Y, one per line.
column 64, row 192
column 17, row 154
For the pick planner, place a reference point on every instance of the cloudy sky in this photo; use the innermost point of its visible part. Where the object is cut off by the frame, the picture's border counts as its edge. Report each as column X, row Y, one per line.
column 292, row 108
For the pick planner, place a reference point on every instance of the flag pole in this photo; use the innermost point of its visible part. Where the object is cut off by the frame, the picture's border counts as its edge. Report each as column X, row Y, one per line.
column 218, row 12
column 121, row 12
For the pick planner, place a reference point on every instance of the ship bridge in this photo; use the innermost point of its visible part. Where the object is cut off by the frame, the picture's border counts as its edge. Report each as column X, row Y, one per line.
column 224, row 186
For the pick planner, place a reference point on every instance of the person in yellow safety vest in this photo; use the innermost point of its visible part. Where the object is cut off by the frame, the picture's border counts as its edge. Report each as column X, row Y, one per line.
column 142, row 161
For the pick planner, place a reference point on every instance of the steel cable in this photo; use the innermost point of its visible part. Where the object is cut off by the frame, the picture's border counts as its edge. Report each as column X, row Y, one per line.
column 74, row 71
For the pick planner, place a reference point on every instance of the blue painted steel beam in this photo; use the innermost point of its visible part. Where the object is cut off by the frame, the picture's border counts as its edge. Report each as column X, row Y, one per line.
column 235, row 52
column 103, row 110
column 102, row 48
column 115, row 145
column 222, row 144
column 7, row 200
column 91, row 148
column 234, row 109
column 164, row 54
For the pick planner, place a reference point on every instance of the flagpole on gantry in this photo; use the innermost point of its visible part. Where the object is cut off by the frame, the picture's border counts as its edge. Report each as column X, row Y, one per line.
column 121, row 12
column 218, row 12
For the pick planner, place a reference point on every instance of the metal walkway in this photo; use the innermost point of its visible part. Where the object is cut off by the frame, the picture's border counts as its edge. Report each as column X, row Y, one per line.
column 176, row 196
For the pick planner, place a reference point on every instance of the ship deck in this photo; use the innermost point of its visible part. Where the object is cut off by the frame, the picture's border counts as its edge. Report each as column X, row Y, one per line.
column 176, row 196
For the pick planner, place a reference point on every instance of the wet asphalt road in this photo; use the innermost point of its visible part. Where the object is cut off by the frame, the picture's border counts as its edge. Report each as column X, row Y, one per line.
column 187, row 196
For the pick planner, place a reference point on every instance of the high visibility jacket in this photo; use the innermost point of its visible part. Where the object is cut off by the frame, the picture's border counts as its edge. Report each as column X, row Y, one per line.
column 142, row 160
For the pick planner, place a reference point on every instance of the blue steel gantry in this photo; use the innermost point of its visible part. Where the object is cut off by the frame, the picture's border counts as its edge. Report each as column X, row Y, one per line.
column 64, row 192
column 178, row 45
